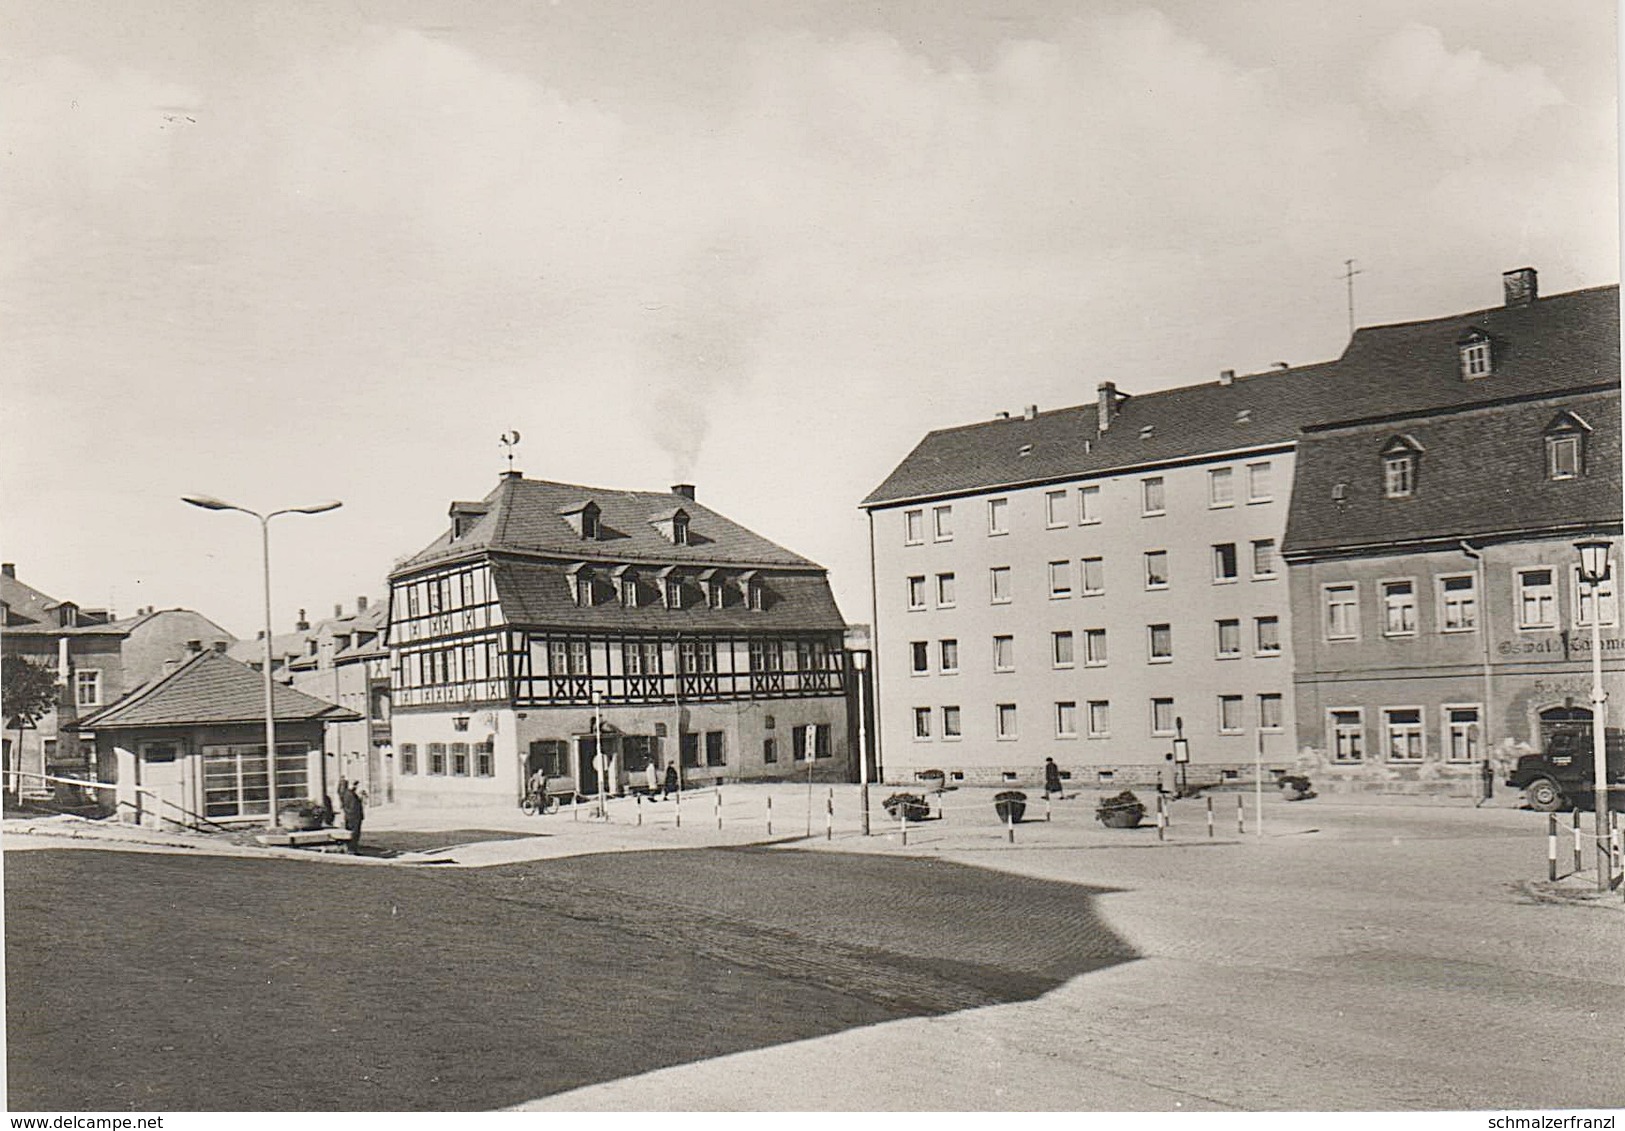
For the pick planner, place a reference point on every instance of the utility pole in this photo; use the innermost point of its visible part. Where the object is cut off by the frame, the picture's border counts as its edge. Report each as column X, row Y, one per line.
column 1349, row 271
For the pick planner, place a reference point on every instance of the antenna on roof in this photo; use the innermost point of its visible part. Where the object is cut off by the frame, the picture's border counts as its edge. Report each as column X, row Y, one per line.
column 509, row 440
column 1349, row 271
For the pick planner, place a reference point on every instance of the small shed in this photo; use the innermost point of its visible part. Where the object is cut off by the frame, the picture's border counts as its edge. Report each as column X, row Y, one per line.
column 188, row 748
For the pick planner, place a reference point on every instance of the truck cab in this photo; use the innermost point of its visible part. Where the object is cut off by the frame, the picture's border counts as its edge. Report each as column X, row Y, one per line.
column 1561, row 777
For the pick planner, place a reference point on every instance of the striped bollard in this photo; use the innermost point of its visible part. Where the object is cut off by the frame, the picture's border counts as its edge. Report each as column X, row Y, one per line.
column 1551, row 847
column 1046, row 807
column 1579, row 860
column 1210, row 818
column 679, row 796
column 1010, row 823
column 719, row 808
column 829, row 817
column 770, row 814
column 640, row 810
column 902, row 823
column 1241, row 816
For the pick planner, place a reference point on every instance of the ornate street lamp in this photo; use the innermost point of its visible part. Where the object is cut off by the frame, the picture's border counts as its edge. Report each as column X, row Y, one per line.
column 1594, row 570
column 210, row 503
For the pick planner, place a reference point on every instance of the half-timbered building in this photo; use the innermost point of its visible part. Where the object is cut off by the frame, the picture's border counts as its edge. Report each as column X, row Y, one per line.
column 551, row 623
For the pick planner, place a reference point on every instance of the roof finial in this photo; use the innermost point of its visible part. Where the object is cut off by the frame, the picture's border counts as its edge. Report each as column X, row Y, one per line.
column 509, row 440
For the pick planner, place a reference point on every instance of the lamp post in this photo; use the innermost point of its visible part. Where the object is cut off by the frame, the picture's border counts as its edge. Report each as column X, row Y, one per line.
column 860, row 662
column 210, row 503
column 1594, row 570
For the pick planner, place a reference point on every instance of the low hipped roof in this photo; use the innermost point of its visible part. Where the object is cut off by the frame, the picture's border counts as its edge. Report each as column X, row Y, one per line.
column 212, row 688
column 1556, row 343
column 122, row 627
column 527, row 516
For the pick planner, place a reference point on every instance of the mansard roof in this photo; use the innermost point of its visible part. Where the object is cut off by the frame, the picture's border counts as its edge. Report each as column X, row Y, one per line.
column 1556, row 343
column 525, row 516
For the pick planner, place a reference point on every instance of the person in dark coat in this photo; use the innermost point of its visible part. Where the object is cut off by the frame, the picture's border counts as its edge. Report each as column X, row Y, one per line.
column 350, row 802
column 671, row 779
column 1052, row 777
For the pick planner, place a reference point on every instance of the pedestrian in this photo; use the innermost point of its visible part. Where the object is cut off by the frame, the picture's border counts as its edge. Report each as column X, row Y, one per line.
column 671, row 778
column 1052, row 777
column 327, row 811
column 651, row 777
column 350, row 802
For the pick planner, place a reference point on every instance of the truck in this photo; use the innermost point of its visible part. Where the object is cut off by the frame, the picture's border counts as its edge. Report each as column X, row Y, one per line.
column 1561, row 776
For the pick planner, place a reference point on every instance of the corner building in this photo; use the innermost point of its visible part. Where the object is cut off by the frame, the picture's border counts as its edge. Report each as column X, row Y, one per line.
column 552, row 620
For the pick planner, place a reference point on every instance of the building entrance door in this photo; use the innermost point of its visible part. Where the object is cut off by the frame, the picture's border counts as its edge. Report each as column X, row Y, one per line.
column 586, row 771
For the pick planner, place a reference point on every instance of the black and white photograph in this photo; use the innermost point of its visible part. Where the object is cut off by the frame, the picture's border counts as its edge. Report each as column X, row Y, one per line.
column 811, row 556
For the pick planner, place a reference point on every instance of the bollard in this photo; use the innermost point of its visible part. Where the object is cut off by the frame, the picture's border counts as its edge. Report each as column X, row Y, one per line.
column 1613, row 857
column 902, row 823
column 719, row 808
column 1241, row 816
column 770, row 814
column 1162, row 818
column 1551, row 847
column 679, row 796
column 575, row 811
column 1010, row 824
column 829, row 817
column 1579, row 861
column 640, row 810
column 1210, row 818
column 1046, row 806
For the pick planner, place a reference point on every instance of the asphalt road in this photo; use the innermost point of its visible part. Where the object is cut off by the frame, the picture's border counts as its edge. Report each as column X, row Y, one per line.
column 148, row 982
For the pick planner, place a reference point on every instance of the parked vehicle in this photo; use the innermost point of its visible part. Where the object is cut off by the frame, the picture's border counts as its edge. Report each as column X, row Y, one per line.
column 1561, row 776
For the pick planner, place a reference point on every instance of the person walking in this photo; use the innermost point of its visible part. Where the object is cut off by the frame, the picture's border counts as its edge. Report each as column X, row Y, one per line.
column 651, row 777
column 671, row 778
column 1052, row 777
column 350, row 802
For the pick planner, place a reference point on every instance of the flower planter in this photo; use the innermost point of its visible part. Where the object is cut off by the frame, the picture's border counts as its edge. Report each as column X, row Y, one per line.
column 298, row 818
column 1125, row 818
column 906, row 807
column 1010, row 805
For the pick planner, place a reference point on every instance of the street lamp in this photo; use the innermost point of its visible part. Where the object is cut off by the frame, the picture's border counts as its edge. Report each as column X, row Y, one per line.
column 860, row 662
column 1594, row 570
column 210, row 503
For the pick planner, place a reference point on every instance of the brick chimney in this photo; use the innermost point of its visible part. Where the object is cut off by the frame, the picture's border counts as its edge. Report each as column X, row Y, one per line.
column 1227, row 376
column 301, row 625
column 338, row 610
column 194, row 645
column 1030, row 412
column 684, row 489
column 1108, row 402
column 1520, row 287
column 361, row 604
column 9, row 569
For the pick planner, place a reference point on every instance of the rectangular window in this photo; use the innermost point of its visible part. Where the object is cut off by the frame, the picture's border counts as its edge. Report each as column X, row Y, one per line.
column 798, row 743
column 942, row 523
column 1224, row 562
column 1151, row 496
column 484, row 760
column 1475, row 360
column 916, row 593
column 1100, row 718
column 1060, row 579
column 1066, row 720
column 674, row 593
column 1588, row 600
column 913, row 527
column 1088, row 505
column 770, row 750
column 1230, row 708
column 688, row 746
column 409, row 758
column 87, row 687
column 1162, row 642
column 999, row 584
column 1347, row 737
column 629, row 592
column 716, row 593
column 1221, row 488
column 919, row 657
column 998, row 516
column 1054, row 508
column 950, row 722
column 1267, row 636
column 821, row 741
column 1259, row 489
column 1263, row 558
column 1563, row 457
column 1004, row 653
column 1156, row 569
column 948, row 655
column 1094, row 647
column 714, row 755
column 1342, row 612
column 459, row 759
column 1269, row 710
column 1005, row 720
column 235, row 782
column 945, row 590
column 1061, row 649
column 1094, row 576
column 437, row 758
column 1403, row 726
column 1537, row 598
column 1162, row 717
column 1398, row 608
column 1229, row 632
column 1398, row 476
column 1458, row 603
column 922, row 722
column 1461, row 733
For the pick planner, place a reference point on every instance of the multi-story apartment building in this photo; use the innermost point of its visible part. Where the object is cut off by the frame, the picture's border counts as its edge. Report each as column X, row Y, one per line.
column 345, row 662
column 551, row 620
column 96, row 659
column 1439, row 620
column 1094, row 585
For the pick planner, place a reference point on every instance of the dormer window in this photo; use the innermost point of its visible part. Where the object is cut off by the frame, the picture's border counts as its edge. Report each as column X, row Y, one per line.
column 714, row 591
column 580, row 576
column 626, row 586
column 1565, row 446
column 583, row 519
column 750, row 590
column 1399, row 467
column 671, row 587
column 464, row 517
column 1476, row 362
column 673, row 526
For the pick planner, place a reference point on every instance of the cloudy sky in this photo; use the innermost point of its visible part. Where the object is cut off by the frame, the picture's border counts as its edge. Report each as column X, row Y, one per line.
column 284, row 252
